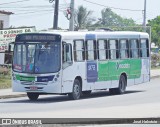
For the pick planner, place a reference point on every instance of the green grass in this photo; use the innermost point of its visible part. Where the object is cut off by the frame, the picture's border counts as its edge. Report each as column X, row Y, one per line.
column 5, row 81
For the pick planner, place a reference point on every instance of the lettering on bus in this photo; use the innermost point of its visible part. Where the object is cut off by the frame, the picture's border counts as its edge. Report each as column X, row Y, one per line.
column 92, row 74
column 120, row 66
column 91, row 67
column 36, row 38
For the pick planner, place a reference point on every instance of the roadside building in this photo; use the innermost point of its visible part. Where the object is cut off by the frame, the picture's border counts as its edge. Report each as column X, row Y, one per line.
column 7, row 35
column 4, row 19
column 4, row 23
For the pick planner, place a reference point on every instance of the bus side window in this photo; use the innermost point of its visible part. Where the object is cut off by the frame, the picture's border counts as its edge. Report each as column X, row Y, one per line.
column 124, row 49
column 102, row 50
column 134, row 48
column 67, row 53
column 79, row 52
column 144, row 48
column 91, row 52
column 113, row 49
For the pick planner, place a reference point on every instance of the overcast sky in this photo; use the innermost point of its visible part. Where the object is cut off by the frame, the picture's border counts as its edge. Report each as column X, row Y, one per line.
column 39, row 13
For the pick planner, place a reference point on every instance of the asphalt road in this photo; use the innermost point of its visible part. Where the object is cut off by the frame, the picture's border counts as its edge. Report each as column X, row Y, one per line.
column 140, row 101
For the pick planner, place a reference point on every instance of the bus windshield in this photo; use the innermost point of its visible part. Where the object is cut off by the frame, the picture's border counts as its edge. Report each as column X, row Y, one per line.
column 37, row 57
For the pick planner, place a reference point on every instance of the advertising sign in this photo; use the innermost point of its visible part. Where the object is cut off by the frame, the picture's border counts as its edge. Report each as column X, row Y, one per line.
column 8, row 35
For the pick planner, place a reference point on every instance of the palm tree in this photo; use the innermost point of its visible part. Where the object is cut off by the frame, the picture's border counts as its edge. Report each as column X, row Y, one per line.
column 83, row 18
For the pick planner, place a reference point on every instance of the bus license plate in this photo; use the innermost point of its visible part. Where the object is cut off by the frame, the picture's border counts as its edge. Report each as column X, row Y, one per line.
column 33, row 88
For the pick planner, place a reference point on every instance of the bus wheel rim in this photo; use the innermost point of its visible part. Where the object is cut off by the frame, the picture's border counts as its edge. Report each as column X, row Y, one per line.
column 76, row 90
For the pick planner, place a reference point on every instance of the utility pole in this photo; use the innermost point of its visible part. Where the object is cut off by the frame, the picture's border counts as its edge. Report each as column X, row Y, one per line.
column 71, row 21
column 144, row 18
column 55, row 22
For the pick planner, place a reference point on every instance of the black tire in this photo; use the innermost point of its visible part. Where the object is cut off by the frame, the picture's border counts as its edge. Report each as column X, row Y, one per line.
column 77, row 90
column 33, row 96
column 85, row 93
column 121, row 88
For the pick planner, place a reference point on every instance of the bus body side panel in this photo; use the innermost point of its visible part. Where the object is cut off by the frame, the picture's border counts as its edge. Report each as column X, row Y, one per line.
column 97, row 75
column 103, row 75
column 77, row 69
column 116, row 68
column 139, row 71
column 145, row 69
column 135, row 71
column 114, row 76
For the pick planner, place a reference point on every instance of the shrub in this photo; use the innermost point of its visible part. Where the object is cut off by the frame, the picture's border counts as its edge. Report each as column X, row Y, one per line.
column 155, row 60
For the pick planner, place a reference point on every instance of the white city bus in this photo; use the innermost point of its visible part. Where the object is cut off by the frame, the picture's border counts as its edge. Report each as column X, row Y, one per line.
column 75, row 63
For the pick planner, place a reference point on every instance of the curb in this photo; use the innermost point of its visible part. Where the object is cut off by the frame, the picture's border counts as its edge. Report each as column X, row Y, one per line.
column 156, row 76
column 12, row 96
column 24, row 95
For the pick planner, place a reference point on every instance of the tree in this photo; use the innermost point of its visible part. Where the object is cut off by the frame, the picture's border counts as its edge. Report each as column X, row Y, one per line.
column 83, row 18
column 111, row 19
column 155, row 30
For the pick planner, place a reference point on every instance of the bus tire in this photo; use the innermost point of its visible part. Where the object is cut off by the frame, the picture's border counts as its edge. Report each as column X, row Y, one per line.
column 121, row 88
column 76, row 91
column 33, row 96
column 122, row 85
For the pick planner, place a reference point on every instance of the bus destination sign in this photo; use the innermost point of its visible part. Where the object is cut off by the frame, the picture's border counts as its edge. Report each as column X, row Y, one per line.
column 37, row 37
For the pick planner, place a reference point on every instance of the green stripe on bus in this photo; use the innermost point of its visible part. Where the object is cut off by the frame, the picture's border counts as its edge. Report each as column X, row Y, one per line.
column 103, row 73
column 24, row 78
column 111, row 70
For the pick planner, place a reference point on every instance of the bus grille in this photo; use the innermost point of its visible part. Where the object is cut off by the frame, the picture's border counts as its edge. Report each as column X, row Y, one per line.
column 33, row 83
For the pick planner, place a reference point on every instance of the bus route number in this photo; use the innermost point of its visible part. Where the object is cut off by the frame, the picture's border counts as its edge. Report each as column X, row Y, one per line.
column 91, row 67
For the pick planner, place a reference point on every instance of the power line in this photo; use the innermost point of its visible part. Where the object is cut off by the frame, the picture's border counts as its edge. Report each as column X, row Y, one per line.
column 40, row 6
column 37, row 9
column 14, row 2
column 31, row 12
column 110, row 7
column 43, row 6
column 36, row 12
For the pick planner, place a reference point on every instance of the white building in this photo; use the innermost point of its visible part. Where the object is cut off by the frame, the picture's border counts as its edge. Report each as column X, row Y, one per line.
column 4, row 19
column 4, row 23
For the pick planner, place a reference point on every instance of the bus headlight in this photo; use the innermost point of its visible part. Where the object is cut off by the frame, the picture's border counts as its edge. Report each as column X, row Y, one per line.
column 14, row 77
column 57, row 75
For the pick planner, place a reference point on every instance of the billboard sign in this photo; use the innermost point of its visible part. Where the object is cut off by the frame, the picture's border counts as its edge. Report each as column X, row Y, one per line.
column 8, row 35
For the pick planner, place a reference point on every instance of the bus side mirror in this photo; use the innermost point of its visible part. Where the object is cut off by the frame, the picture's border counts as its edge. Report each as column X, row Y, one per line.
column 11, row 47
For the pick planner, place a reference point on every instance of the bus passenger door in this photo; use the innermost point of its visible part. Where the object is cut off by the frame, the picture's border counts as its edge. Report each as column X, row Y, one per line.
column 67, row 75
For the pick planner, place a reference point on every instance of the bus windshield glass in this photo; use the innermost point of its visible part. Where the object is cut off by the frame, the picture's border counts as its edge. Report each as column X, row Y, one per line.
column 37, row 57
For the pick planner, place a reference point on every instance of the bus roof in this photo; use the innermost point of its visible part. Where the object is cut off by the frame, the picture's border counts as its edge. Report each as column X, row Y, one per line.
column 102, row 34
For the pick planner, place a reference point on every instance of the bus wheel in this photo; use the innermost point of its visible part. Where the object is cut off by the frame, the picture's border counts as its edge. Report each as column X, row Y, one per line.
column 77, row 90
column 86, row 92
column 121, row 88
column 33, row 96
column 122, row 85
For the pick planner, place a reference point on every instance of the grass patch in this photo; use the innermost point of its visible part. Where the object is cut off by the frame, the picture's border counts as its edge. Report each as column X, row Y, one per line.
column 5, row 81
